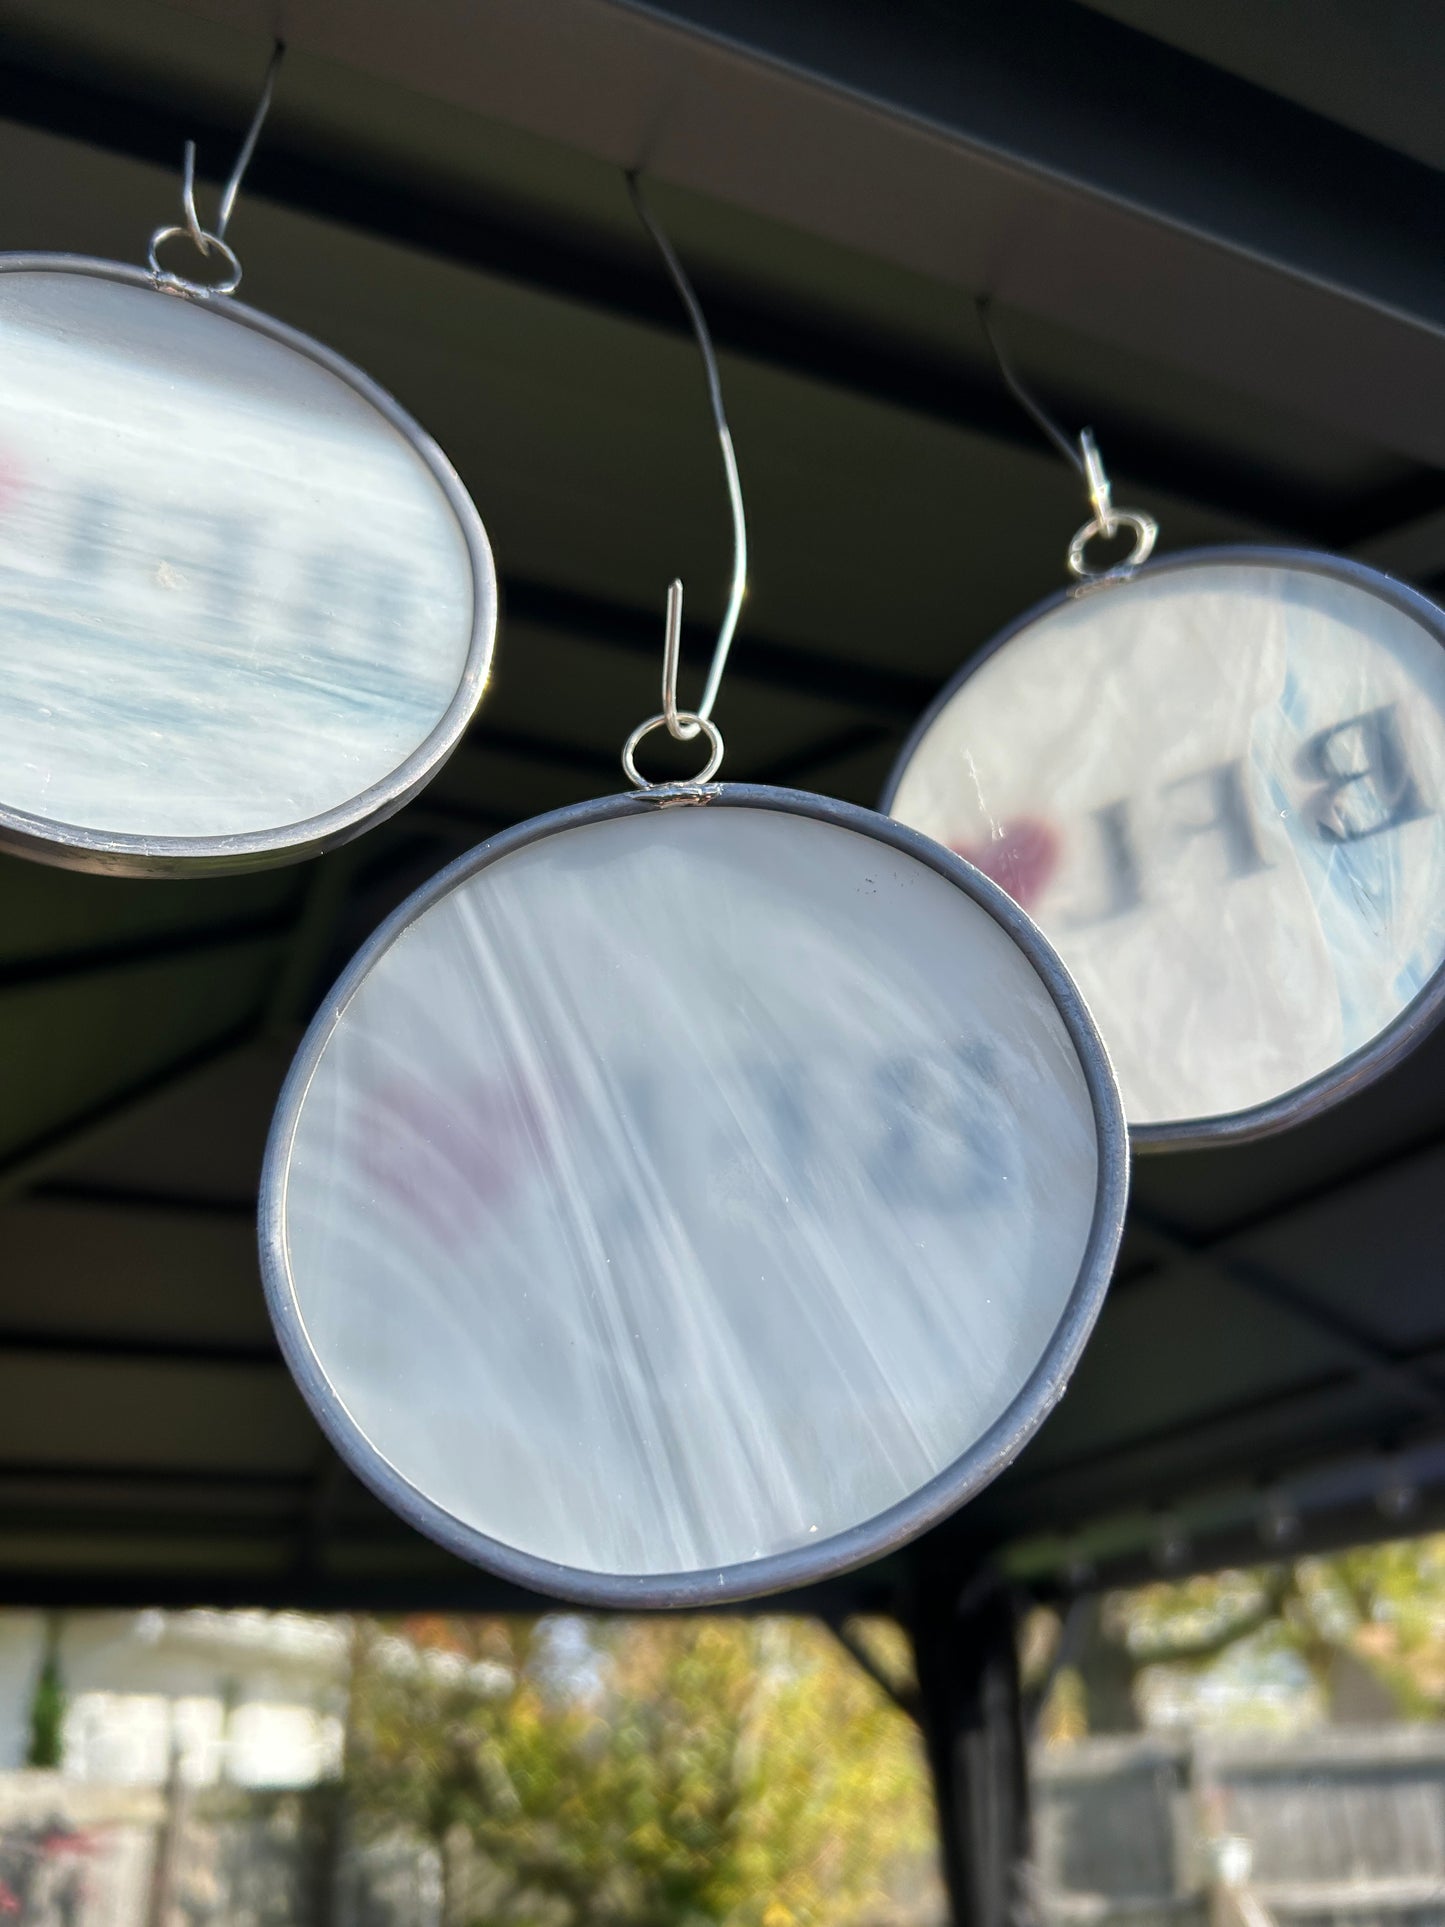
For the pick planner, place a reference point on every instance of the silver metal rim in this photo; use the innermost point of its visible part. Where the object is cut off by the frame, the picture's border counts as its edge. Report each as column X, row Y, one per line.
column 77, row 847
column 844, row 1551
column 1372, row 1060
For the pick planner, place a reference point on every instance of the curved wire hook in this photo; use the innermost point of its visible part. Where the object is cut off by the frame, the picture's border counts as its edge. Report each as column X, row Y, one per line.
column 1031, row 405
column 207, row 239
column 685, row 724
column 248, row 146
column 1083, row 456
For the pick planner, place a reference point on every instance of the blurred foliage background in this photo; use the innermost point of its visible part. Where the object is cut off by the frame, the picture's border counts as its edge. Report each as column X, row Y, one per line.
column 670, row 1772
column 1358, row 1635
column 654, row 1772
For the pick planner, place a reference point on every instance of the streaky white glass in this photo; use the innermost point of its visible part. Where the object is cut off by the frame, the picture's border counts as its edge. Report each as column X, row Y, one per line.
column 686, row 1187
column 1217, row 789
column 233, row 594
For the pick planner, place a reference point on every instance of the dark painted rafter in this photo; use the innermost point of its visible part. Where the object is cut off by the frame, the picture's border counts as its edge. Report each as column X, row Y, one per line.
column 1416, row 1386
column 577, row 267
column 148, row 1203
column 436, row 1589
column 122, row 1347
column 173, row 946
column 47, row 1150
column 1222, row 1443
column 50, row 1148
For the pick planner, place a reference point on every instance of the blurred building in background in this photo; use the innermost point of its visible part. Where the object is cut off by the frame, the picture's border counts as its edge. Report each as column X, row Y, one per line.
column 246, row 1699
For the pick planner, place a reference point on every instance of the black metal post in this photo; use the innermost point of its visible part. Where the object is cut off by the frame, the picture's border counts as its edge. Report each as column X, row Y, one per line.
column 973, row 1725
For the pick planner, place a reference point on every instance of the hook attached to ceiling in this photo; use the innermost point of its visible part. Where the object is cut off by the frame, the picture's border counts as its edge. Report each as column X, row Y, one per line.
column 685, row 724
column 1081, row 452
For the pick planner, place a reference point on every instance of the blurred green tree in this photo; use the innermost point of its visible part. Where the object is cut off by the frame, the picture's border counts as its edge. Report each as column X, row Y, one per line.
column 1364, row 1629
column 659, row 1772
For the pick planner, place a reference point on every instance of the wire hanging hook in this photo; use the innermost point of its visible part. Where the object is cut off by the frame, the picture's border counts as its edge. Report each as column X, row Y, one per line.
column 1030, row 404
column 213, row 240
column 686, row 724
column 671, row 657
column 248, row 146
column 1083, row 456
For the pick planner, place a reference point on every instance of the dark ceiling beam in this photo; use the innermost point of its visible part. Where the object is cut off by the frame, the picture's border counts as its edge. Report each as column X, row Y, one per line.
column 1329, row 1189
column 130, row 1348
column 49, row 1149
column 903, row 1694
column 1214, row 1446
column 294, row 992
column 121, row 1476
column 1381, row 1487
column 824, row 752
column 1236, row 1543
column 23, row 973
column 1211, row 1436
column 467, row 823
column 1377, row 1365
column 1067, row 164
column 1072, row 167
column 423, row 1587
column 549, row 752
column 578, row 267
column 318, row 1519
column 1138, row 1265
column 168, row 1204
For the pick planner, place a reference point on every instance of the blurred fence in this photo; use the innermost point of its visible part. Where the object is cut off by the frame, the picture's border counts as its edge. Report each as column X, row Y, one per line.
column 79, row 1855
column 1342, row 1827
column 74, row 1855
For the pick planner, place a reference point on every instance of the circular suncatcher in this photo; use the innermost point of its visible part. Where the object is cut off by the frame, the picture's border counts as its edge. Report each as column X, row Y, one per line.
column 246, row 606
column 690, row 1194
column 1217, row 788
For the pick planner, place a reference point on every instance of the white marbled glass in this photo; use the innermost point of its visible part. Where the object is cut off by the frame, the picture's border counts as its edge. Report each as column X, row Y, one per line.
column 683, row 1188
column 234, row 596
column 1217, row 788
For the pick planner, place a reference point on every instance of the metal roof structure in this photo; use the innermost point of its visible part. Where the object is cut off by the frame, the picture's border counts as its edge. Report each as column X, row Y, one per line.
column 1215, row 234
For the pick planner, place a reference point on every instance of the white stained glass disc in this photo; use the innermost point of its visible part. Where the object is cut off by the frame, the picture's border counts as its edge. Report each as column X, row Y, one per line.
column 1217, row 789
column 684, row 1188
column 245, row 606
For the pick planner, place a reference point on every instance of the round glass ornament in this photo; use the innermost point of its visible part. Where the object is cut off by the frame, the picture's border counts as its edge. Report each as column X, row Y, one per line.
column 1217, row 786
column 691, row 1194
column 246, row 606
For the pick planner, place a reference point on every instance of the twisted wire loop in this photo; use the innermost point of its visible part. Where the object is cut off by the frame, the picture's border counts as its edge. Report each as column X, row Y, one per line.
column 211, row 242
column 1084, row 457
column 686, row 724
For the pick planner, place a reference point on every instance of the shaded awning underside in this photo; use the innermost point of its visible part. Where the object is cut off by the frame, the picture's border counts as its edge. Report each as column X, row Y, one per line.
column 1213, row 233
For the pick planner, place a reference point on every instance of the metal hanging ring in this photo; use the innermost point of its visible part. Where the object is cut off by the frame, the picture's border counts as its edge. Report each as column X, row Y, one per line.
column 202, row 238
column 210, row 244
column 1084, row 457
column 705, row 727
column 1146, row 534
